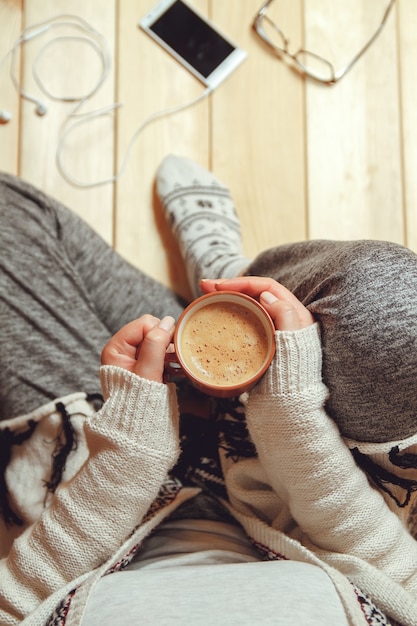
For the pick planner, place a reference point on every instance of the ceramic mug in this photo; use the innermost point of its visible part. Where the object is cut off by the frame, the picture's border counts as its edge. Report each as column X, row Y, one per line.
column 224, row 342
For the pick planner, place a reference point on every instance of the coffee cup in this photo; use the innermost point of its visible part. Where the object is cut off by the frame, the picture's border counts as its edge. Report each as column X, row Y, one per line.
column 223, row 342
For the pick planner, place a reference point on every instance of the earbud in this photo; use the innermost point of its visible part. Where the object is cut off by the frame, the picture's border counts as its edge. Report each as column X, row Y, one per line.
column 88, row 36
column 41, row 109
column 5, row 116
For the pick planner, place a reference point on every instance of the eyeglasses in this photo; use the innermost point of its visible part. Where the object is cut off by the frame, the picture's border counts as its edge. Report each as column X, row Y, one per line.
column 308, row 63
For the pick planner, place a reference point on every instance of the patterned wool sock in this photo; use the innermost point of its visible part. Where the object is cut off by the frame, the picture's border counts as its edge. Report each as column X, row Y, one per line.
column 203, row 219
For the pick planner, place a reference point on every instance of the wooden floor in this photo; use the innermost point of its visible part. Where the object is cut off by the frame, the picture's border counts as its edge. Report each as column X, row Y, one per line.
column 302, row 160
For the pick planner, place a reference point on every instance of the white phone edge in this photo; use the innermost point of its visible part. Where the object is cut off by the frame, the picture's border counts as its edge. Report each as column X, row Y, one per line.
column 222, row 71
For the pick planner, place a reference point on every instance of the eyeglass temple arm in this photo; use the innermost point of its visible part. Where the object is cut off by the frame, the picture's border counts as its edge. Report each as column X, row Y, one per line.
column 260, row 14
column 356, row 58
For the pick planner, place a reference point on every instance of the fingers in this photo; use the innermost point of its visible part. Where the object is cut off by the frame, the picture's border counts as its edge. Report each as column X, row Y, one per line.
column 283, row 314
column 140, row 346
column 287, row 312
column 122, row 347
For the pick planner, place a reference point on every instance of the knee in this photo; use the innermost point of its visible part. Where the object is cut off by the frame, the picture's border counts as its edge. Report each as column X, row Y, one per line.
column 368, row 280
column 368, row 315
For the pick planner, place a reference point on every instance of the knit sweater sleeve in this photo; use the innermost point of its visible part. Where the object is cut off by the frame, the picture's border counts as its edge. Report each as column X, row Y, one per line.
column 311, row 468
column 133, row 442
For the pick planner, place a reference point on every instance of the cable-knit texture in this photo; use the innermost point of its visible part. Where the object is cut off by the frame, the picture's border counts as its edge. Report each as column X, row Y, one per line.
column 296, row 367
column 299, row 494
column 305, row 468
column 127, row 401
column 133, row 443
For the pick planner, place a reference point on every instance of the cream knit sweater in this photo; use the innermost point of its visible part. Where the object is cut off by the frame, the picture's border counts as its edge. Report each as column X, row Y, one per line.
column 303, row 497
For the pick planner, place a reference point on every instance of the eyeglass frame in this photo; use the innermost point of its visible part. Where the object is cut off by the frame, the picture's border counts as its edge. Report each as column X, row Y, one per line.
column 335, row 76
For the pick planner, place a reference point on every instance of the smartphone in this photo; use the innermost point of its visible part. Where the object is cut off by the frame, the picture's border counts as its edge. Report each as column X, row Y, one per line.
column 193, row 40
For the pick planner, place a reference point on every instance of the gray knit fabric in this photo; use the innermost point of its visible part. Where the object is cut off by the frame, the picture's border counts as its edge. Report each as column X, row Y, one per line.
column 364, row 295
column 64, row 292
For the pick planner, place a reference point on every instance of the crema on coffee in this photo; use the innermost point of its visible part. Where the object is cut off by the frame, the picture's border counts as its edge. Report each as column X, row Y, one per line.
column 224, row 344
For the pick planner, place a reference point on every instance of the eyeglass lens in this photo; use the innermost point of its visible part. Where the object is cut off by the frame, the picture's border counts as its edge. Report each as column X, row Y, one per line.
column 306, row 61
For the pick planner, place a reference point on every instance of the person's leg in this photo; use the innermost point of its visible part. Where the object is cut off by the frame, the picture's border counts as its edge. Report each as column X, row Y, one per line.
column 272, row 593
column 63, row 293
column 363, row 294
column 203, row 218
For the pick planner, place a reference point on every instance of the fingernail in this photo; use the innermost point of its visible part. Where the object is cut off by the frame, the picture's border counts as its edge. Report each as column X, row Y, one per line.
column 167, row 323
column 268, row 297
column 219, row 281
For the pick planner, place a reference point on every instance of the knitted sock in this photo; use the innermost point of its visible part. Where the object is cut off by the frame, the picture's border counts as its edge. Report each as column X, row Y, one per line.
column 203, row 219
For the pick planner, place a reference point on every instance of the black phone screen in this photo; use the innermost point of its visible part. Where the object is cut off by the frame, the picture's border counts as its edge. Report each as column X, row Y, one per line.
column 192, row 38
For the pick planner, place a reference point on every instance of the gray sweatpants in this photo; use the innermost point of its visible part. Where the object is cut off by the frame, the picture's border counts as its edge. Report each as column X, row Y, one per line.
column 64, row 292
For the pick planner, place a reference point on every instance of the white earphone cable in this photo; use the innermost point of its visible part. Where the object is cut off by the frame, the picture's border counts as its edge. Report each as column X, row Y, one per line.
column 99, row 44
column 88, row 116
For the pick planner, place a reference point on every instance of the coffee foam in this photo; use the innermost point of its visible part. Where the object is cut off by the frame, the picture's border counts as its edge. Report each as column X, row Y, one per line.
column 224, row 344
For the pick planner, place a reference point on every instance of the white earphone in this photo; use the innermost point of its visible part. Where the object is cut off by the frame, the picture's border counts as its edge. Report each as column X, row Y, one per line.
column 41, row 109
column 5, row 116
column 28, row 33
column 89, row 35
column 76, row 118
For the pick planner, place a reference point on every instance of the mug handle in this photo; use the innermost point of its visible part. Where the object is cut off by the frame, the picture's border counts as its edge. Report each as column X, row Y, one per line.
column 173, row 371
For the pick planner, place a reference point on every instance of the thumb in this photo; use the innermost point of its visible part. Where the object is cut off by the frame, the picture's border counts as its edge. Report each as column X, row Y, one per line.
column 151, row 358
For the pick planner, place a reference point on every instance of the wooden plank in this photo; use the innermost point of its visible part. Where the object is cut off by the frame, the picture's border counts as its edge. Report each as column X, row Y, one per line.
column 151, row 81
column 408, row 71
column 70, row 67
column 10, row 27
column 258, row 130
column 301, row 160
column 354, row 128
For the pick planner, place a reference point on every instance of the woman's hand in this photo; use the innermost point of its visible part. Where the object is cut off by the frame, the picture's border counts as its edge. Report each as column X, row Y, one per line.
column 140, row 346
column 285, row 309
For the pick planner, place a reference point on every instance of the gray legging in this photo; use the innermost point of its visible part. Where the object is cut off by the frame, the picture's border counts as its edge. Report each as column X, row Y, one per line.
column 64, row 292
